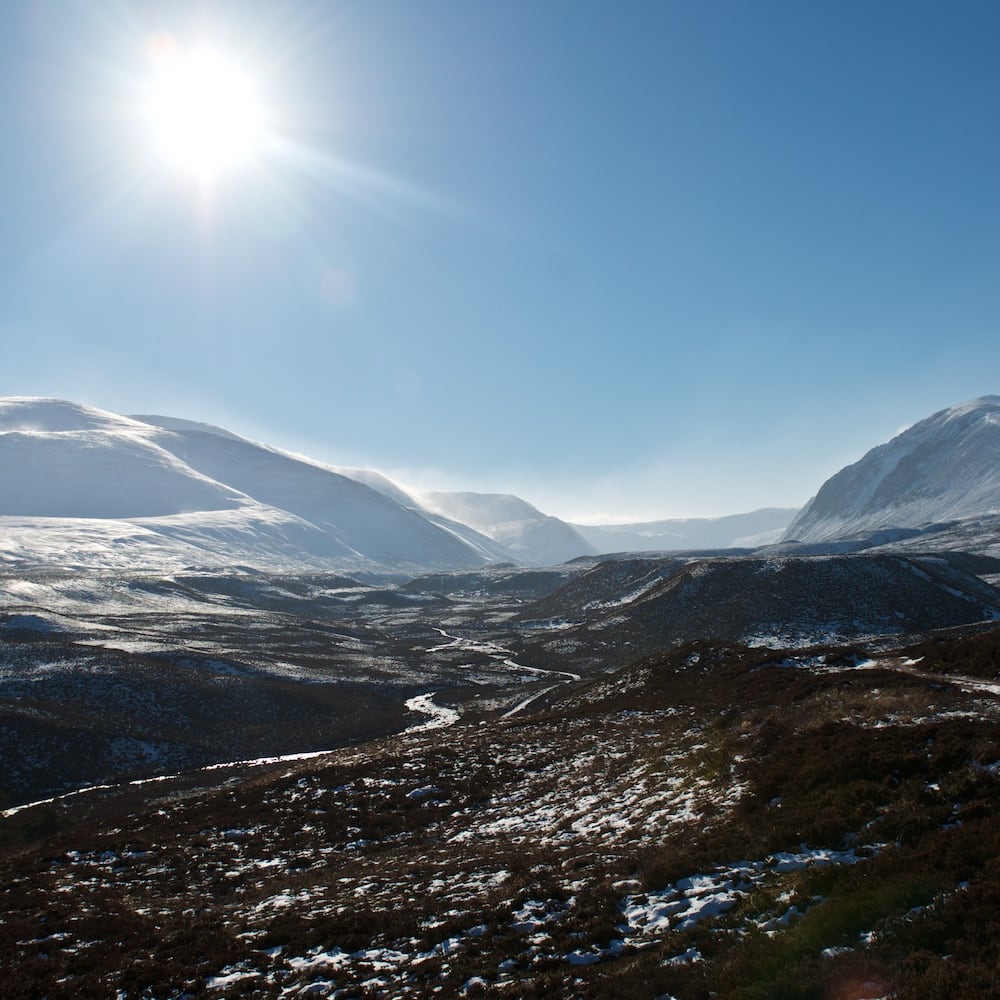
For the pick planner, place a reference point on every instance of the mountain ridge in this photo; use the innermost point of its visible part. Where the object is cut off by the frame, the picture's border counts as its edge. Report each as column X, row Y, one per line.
column 87, row 483
column 182, row 492
column 756, row 527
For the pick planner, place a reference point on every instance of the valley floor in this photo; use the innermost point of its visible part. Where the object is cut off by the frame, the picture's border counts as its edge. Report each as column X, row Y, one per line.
column 715, row 821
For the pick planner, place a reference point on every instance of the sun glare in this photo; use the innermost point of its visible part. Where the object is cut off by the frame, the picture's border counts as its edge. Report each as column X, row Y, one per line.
column 203, row 110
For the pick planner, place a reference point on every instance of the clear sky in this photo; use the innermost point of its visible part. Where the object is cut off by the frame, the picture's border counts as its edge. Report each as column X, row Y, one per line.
column 621, row 258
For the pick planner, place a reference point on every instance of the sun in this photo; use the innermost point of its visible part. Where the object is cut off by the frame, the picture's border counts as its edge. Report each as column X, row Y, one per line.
column 202, row 110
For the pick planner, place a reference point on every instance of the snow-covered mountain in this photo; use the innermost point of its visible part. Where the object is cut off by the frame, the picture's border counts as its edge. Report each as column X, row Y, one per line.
column 63, row 460
column 529, row 535
column 758, row 527
column 489, row 549
column 944, row 468
column 82, row 486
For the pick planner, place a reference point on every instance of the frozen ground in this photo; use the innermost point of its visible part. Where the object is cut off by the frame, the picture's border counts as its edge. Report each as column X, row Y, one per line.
column 112, row 676
column 643, row 839
column 318, row 785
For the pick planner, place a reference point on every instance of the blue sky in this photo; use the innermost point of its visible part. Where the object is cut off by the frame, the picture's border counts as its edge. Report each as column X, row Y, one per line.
column 623, row 259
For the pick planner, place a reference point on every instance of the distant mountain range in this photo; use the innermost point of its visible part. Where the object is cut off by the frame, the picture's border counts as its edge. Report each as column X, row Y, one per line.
column 528, row 534
column 759, row 527
column 84, row 487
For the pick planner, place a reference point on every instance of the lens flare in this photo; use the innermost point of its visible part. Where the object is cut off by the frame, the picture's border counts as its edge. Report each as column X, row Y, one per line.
column 203, row 109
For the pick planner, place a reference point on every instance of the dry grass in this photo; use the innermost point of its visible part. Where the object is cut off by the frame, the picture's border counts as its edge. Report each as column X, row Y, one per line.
column 478, row 860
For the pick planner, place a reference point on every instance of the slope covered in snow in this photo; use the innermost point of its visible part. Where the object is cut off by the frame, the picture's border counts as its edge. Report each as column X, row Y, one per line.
column 360, row 518
column 380, row 483
column 89, row 488
column 490, row 550
column 944, row 468
column 60, row 460
column 484, row 547
column 528, row 534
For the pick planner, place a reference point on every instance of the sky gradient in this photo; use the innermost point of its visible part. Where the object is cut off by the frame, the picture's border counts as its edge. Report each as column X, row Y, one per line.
column 629, row 260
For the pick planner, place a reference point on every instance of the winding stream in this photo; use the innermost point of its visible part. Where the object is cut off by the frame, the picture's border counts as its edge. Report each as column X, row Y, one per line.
column 495, row 649
column 438, row 717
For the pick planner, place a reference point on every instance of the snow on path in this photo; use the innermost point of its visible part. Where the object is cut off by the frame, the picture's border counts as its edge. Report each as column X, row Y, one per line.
column 440, row 715
column 139, row 782
column 522, row 705
column 970, row 685
column 568, row 674
column 470, row 645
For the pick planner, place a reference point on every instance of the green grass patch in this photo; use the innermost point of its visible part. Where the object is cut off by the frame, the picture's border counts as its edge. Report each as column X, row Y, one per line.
column 859, row 900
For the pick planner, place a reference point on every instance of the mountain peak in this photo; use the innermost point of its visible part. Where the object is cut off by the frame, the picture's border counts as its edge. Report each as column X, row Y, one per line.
column 41, row 414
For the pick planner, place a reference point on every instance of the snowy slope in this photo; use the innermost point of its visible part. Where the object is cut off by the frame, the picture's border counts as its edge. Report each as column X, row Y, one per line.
column 84, row 487
column 531, row 536
column 251, row 536
column 380, row 483
column 65, row 461
column 490, row 550
column 484, row 547
column 757, row 527
column 360, row 518
column 944, row 468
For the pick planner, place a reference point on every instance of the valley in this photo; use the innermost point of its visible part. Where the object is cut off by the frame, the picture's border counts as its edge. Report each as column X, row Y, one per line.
column 123, row 677
column 499, row 500
column 716, row 820
column 273, row 785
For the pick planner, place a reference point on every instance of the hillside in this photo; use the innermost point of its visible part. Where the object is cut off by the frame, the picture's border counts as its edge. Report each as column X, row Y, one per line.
column 360, row 518
column 629, row 606
column 84, row 487
column 62, row 460
column 719, row 822
column 488, row 548
column 530, row 536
